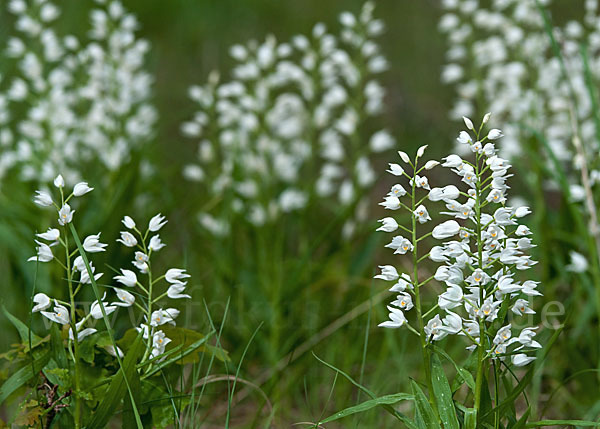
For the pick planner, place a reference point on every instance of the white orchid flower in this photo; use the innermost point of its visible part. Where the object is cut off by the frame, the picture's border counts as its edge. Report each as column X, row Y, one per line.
column 60, row 314
column 175, row 291
column 65, row 215
column 42, row 302
column 396, row 317
column 43, row 199
column 422, row 214
column 395, row 169
column 388, row 273
column 81, row 188
column 92, row 244
column 127, row 278
column 44, row 253
column 127, row 299
column 156, row 223
column 176, row 275
column 51, row 235
column 156, row 243
column 388, row 224
column 127, row 239
column 128, row 222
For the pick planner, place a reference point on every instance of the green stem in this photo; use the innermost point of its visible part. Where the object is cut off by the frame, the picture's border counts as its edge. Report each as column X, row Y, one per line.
column 72, row 316
column 481, row 347
column 424, row 349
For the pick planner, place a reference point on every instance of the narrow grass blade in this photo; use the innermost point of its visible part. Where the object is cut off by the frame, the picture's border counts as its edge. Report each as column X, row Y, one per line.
column 58, row 349
column 520, row 424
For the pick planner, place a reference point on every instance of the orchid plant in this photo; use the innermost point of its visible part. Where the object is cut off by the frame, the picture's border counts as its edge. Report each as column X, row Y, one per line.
column 151, row 345
column 539, row 73
column 480, row 257
column 480, row 251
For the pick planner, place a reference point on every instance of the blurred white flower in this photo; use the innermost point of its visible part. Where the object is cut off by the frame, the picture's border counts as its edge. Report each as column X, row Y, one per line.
column 156, row 244
column 128, row 222
column 81, row 188
column 578, row 264
column 156, row 223
column 43, row 199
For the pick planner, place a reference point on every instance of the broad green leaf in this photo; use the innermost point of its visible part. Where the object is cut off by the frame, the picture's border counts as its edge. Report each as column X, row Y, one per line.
column 22, row 329
column 118, row 387
column 424, row 413
column 443, row 394
column 58, row 348
column 136, row 388
column 367, row 405
column 23, row 375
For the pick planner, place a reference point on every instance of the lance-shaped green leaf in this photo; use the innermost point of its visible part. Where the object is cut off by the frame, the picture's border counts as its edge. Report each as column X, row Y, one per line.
column 367, row 405
column 443, row 394
column 424, row 415
column 119, row 385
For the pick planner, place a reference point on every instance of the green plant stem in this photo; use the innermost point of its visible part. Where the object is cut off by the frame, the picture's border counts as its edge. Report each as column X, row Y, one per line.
column 424, row 349
column 149, row 308
column 481, row 347
column 72, row 316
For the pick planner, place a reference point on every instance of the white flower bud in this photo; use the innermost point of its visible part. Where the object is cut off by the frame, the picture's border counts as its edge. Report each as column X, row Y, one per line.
column 404, row 156
column 430, row 164
column 468, row 123
column 59, row 182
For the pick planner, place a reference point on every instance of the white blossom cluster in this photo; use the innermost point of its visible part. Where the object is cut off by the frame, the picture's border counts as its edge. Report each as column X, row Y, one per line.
column 289, row 126
column 500, row 54
column 481, row 250
column 69, row 311
column 69, row 101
